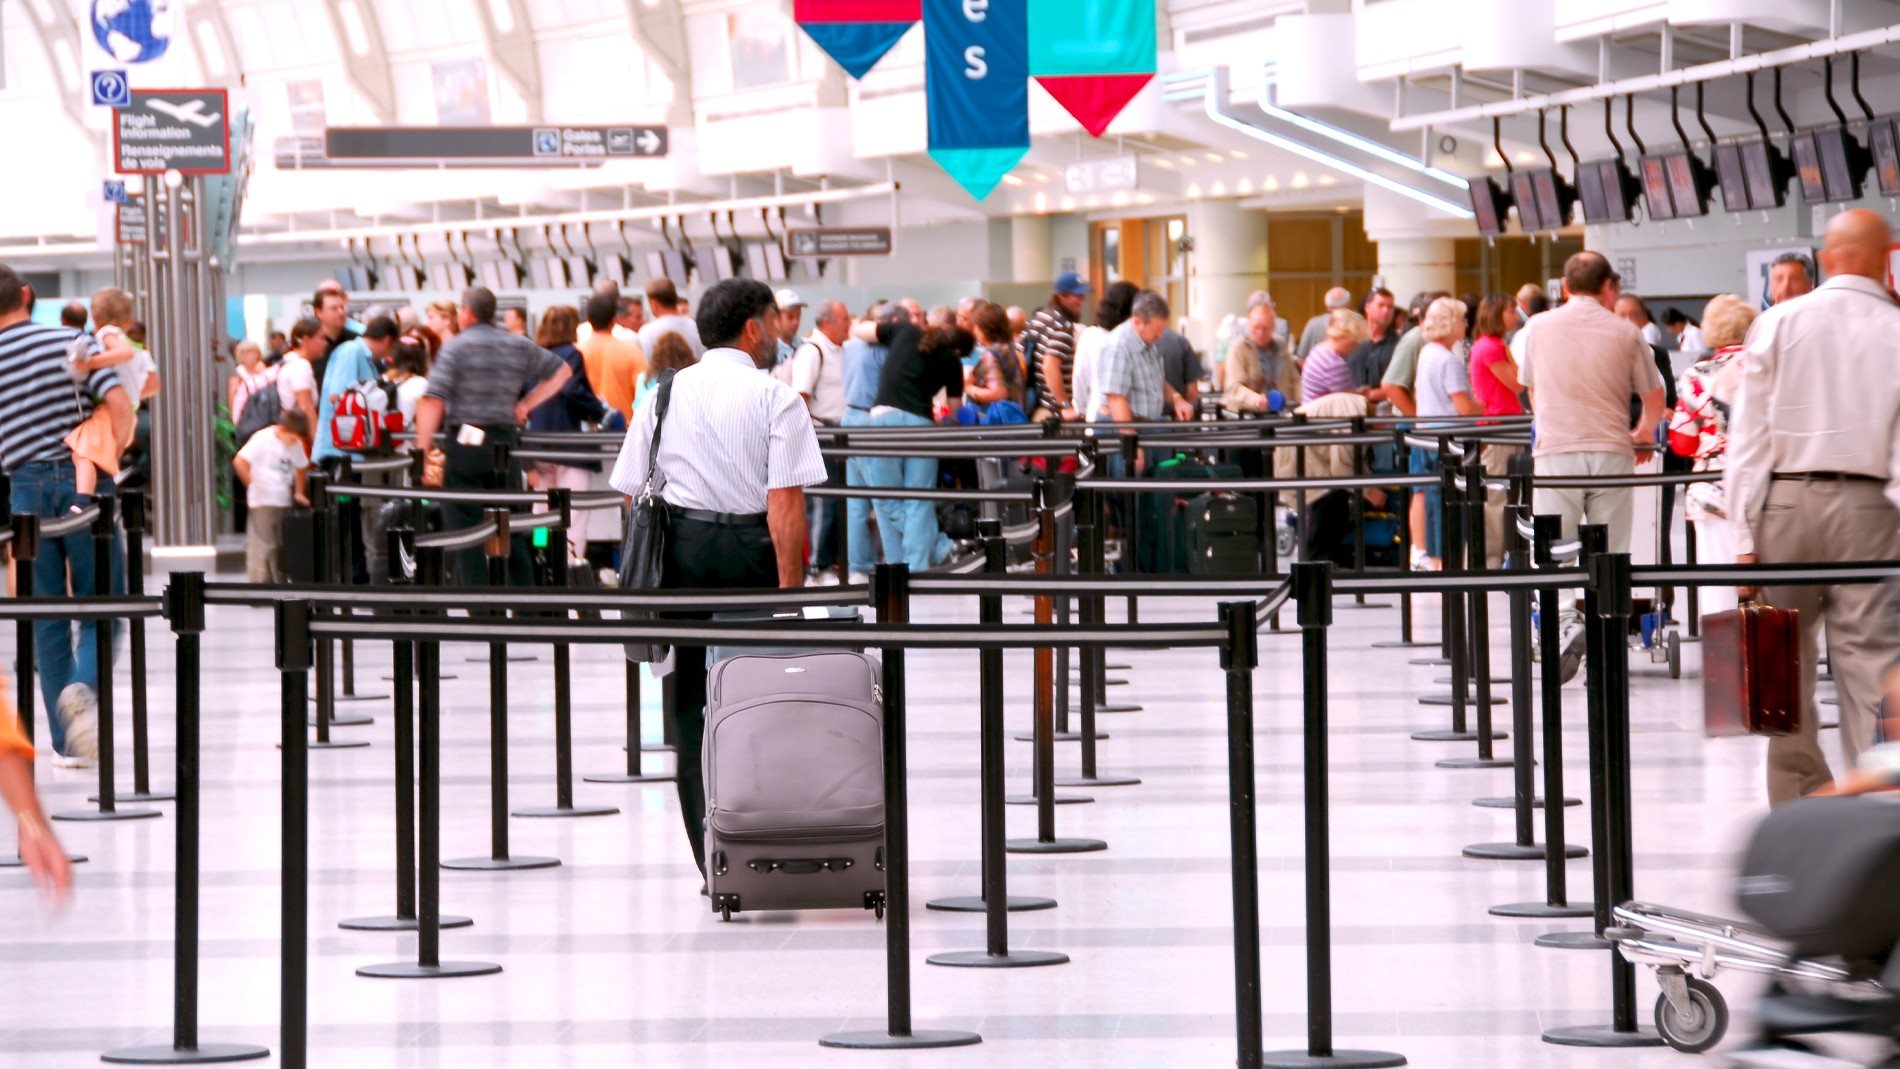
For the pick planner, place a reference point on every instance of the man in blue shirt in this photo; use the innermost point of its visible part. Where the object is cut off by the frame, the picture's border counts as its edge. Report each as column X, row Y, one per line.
column 357, row 360
column 863, row 367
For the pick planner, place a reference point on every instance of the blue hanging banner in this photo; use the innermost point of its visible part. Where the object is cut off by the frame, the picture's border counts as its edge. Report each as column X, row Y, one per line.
column 855, row 33
column 976, row 86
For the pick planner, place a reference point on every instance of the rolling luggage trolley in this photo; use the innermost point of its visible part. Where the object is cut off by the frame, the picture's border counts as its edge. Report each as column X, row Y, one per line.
column 1652, row 626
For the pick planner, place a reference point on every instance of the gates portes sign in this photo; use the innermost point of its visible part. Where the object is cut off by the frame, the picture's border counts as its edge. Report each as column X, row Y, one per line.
column 476, row 146
column 183, row 130
column 838, row 241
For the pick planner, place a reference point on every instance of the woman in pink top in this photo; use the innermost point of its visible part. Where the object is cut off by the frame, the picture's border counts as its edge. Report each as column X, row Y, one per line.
column 1494, row 381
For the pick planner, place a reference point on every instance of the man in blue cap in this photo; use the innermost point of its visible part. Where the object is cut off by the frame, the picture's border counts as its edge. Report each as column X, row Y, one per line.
column 1049, row 346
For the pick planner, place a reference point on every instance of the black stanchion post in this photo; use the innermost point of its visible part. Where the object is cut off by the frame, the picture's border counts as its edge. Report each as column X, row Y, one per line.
column 104, row 531
column 1469, row 515
column 634, row 772
column 1401, row 453
column 891, row 592
column 995, row 901
column 185, row 606
column 1694, row 610
column 431, row 564
column 323, row 522
column 1130, row 447
column 1268, row 502
column 1098, row 513
column 1238, row 657
column 1313, row 593
column 1451, row 546
column 1610, row 578
column 293, row 666
column 562, row 503
column 499, row 545
column 1043, row 796
column 1088, row 540
column 132, row 515
column 1597, row 650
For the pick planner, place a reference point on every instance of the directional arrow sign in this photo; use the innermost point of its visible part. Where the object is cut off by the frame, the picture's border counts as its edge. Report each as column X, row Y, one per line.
column 477, row 146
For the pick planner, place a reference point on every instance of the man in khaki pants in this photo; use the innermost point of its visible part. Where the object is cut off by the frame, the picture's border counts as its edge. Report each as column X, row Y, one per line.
column 1810, row 477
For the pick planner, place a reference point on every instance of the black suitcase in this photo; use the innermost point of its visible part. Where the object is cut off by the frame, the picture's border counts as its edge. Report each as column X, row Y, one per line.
column 1223, row 535
column 1824, row 873
column 1163, row 519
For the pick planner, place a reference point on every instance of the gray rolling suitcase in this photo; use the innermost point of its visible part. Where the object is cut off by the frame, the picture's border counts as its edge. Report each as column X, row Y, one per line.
column 794, row 764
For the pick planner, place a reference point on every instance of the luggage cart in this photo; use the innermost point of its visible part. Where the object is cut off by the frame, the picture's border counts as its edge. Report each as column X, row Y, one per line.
column 1688, row 949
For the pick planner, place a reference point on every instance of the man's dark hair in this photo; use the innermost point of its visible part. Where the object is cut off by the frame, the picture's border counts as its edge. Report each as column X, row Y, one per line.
column 1673, row 317
column 725, row 309
column 305, row 327
column 74, row 315
column 380, row 328
column 323, row 293
column 1118, row 300
column 12, row 291
column 625, row 306
column 1586, row 273
column 601, row 309
column 1376, row 292
column 480, row 302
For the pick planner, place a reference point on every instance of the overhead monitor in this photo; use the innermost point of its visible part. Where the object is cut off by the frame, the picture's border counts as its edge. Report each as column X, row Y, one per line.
column 443, row 276
column 668, row 264
column 1730, row 176
column 1765, row 170
column 1490, row 205
column 1554, row 198
column 1606, row 190
column 719, row 263
column 1687, row 186
column 1655, row 176
column 1524, row 196
column 1885, row 142
column 1843, row 163
column 1807, row 167
column 765, row 261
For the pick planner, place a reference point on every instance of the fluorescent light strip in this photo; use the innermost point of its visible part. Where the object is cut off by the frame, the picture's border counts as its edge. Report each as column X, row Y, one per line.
column 1363, row 144
column 1212, row 107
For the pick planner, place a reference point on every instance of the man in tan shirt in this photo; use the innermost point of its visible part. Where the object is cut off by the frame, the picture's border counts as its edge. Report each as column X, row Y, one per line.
column 614, row 364
column 1814, row 447
column 1582, row 365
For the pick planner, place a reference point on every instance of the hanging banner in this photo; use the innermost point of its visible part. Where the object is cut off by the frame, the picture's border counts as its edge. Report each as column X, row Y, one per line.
column 1093, row 56
column 976, row 87
column 856, row 33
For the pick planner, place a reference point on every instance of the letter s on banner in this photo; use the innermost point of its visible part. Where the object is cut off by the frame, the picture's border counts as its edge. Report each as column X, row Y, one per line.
column 974, row 65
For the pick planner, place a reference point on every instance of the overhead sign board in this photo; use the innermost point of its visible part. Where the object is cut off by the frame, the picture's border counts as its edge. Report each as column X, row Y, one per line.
column 839, row 241
column 110, row 89
column 131, row 222
column 1100, row 176
column 491, row 145
column 183, row 130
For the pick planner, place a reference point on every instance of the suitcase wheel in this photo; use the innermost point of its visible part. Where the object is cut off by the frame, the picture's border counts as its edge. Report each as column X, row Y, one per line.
column 874, row 901
column 725, row 906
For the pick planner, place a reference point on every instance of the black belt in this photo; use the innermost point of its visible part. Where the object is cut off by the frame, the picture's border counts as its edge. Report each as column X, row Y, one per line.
column 721, row 519
column 1824, row 477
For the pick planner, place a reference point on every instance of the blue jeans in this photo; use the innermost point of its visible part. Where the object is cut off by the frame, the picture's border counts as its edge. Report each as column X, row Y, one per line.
column 46, row 490
column 1425, row 462
column 824, row 519
column 909, row 528
column 861, row 551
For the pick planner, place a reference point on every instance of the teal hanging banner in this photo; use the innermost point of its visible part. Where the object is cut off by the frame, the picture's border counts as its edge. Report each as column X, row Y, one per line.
column 1093, row 56
column 976, row 86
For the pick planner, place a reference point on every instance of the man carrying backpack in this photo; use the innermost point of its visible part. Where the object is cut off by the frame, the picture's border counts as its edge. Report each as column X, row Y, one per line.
column 354, row 363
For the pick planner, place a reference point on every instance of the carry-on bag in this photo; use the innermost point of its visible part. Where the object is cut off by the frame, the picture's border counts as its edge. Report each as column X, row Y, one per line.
column 1751, row 672
column 831, row 614
column 794, row 767
column 1223, row 535
column 1823, row 873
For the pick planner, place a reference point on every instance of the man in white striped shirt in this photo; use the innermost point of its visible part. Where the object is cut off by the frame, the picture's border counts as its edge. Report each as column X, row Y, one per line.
column 736, row 452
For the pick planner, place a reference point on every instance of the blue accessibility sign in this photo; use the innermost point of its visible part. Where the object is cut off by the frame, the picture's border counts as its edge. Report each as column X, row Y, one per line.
column 111, row 89
column 115, row 193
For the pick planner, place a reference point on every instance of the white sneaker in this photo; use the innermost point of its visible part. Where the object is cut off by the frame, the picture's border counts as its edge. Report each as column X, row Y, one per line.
column 60, row 760
column 1570, row 643
column 78, row 710
column 860, row 579
column 827, row 577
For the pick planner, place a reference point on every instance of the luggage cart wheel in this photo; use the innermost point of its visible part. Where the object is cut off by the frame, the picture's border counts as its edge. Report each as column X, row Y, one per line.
column 1702, row 1022
column 1675, row 655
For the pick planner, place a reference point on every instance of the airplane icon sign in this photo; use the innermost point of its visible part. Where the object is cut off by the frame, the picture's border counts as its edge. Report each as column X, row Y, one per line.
column 192, row 111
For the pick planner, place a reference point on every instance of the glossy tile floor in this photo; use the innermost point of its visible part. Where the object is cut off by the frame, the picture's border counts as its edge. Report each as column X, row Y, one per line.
column 612, row 959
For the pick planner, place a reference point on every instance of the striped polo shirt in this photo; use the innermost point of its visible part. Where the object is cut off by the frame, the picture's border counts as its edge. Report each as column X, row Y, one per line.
column 39, row 404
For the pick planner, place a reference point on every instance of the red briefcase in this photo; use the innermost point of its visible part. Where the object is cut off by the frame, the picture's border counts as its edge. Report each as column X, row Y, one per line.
column 1751, row 672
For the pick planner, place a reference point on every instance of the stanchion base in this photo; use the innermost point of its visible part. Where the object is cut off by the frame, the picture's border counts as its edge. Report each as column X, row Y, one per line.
column 975, row 904
column 333, row 744
column 398, row 924
column 1431, row 662
column 1602, row 1035
column 1097, row 780
column 1496, row 681
column 203, row 1054
column 346, row 720
column 1453, row 736
column 1586, row 940
column 16, row 863
column 1058, row 846
column 1511, row 803
column 1124, row 668
column 445, row 677
column 505, row 864
column 1076, row 681
column 571, row 811
column 917, row 1040
column 409, row 970
column 983, row 959
column 1355, row 604
column 658, row 747
column 622, row 777
column 94, row 815
column 1060, row 799
column 1474, row 762
column 1066, row 736
column 1445, row 699
column 513, row 658
column 1542, row 910
column 1339, row 1059
column 1397, row 644
column 1117, row 707
column 1516, row 852
column 137, row 796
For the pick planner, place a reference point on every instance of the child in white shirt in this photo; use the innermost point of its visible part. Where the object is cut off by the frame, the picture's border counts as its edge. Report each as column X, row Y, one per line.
column 273, row 467
column 99, row 441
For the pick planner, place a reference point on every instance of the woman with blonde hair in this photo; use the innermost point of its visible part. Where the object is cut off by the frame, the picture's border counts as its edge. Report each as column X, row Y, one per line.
column 1699, row 429
column 440, row 318
column 1325, row 370
column 1441, row 387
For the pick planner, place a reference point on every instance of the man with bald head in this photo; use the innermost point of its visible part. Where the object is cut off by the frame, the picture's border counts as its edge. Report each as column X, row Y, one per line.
column 1814, row 451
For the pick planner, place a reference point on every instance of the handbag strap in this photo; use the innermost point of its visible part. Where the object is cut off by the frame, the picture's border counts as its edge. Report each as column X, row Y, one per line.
column 660, row 403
